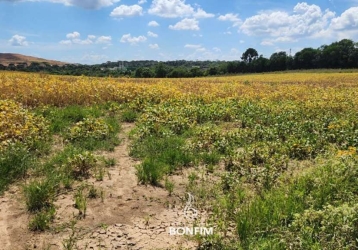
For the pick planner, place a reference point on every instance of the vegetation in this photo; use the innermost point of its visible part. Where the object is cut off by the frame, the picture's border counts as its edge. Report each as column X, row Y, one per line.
column 337, row 55
column 273, row 158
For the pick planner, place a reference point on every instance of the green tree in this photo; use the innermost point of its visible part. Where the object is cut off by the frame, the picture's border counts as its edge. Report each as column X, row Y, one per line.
column 249, row 55
column 278, row 61
column 161, row 70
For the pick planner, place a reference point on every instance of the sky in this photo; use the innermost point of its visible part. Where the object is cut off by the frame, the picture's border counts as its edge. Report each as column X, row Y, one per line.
column 97, row 31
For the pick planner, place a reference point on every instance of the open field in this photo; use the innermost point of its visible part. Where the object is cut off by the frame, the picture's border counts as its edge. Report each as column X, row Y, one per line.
column 106, row 163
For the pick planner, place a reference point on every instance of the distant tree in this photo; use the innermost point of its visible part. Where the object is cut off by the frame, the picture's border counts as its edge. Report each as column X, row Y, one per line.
column 213, row 71
column 278, row 61
column 178, row 72
column 147, row 73
column 261, row 64
column 196, row 72
column 161, row 70
column 139, row 72
column 232, row 67
column 249, row 55
column 306, row 58
column 11, row 66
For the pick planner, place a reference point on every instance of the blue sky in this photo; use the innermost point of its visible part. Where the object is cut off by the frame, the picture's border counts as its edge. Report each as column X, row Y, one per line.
column 96, row 31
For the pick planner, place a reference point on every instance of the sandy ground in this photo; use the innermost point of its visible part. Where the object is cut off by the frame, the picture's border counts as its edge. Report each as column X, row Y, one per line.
column 130, row 216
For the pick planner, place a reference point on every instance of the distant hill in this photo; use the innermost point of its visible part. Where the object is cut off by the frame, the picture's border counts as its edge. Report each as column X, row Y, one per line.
column 7, row 58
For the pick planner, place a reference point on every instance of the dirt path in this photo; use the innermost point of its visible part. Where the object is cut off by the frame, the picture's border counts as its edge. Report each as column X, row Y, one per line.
column 130, row 216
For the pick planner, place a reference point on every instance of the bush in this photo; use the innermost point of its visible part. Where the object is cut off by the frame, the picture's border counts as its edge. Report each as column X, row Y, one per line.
column 95, row 128
column 81, row 164
column 330, row 228
column 39, row 195
column 18, row 125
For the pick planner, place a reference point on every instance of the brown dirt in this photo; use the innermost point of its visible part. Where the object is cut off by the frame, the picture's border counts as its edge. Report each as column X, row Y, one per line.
column 130, row 216
column 7, row 58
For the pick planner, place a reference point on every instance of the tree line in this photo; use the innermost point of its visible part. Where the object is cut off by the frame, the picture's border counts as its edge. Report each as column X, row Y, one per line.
column 337, row 55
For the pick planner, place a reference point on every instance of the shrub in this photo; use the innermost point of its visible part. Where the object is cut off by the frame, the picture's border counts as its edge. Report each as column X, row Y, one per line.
column 18, row 125
column 39, row 195
column 95, row 128
column 81, row 164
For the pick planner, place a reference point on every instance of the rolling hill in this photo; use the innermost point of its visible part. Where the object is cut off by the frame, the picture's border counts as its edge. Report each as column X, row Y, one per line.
column 8, row 58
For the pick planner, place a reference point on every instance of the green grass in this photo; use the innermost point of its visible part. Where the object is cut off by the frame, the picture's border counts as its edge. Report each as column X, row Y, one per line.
column 151, row 172
column 129, row 115
column 14, row 163
column 42, row 220
column 165, row 151
column 39, row 195
column 107, row 142
column 61, row 118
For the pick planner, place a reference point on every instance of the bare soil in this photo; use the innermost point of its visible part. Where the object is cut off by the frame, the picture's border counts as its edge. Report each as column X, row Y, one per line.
column 130, row 216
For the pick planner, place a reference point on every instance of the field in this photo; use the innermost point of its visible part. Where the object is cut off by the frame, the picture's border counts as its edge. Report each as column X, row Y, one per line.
column 106, row 163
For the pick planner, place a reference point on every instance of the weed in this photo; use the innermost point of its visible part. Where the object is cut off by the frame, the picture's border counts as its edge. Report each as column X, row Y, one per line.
column 93, row 192
column 14, row 162
column 101, row 194
column 81, row 203
column 169, row 186
column 42, row 219
column 39, row 195
column 99, row 172
column 70, row 243
column 150, row 172
column 129, row 115
column 109, row 162
column 81, row 164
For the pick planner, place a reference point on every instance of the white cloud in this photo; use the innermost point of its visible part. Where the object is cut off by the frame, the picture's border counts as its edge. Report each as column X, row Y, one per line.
column 283, row 39
column 216, row 49
column 171, row 8
column 75, row 38
column 231, row 18
column 348, row 20
column 93, row 58
column 176, row 8
column 153, row 24
column 192, row 46
column 200, row 13
column 66, row 42
column 73, row 35
column 125, row 10
column 186, row 24
column 87, row 4
column 154, row 46
column 83, row 42
column 227, row 33
column 151, row 34
column 142, row 1
column 128, row 38
column 18, row 40
column 306, row 20
column 104, row 40
column 200, row 49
